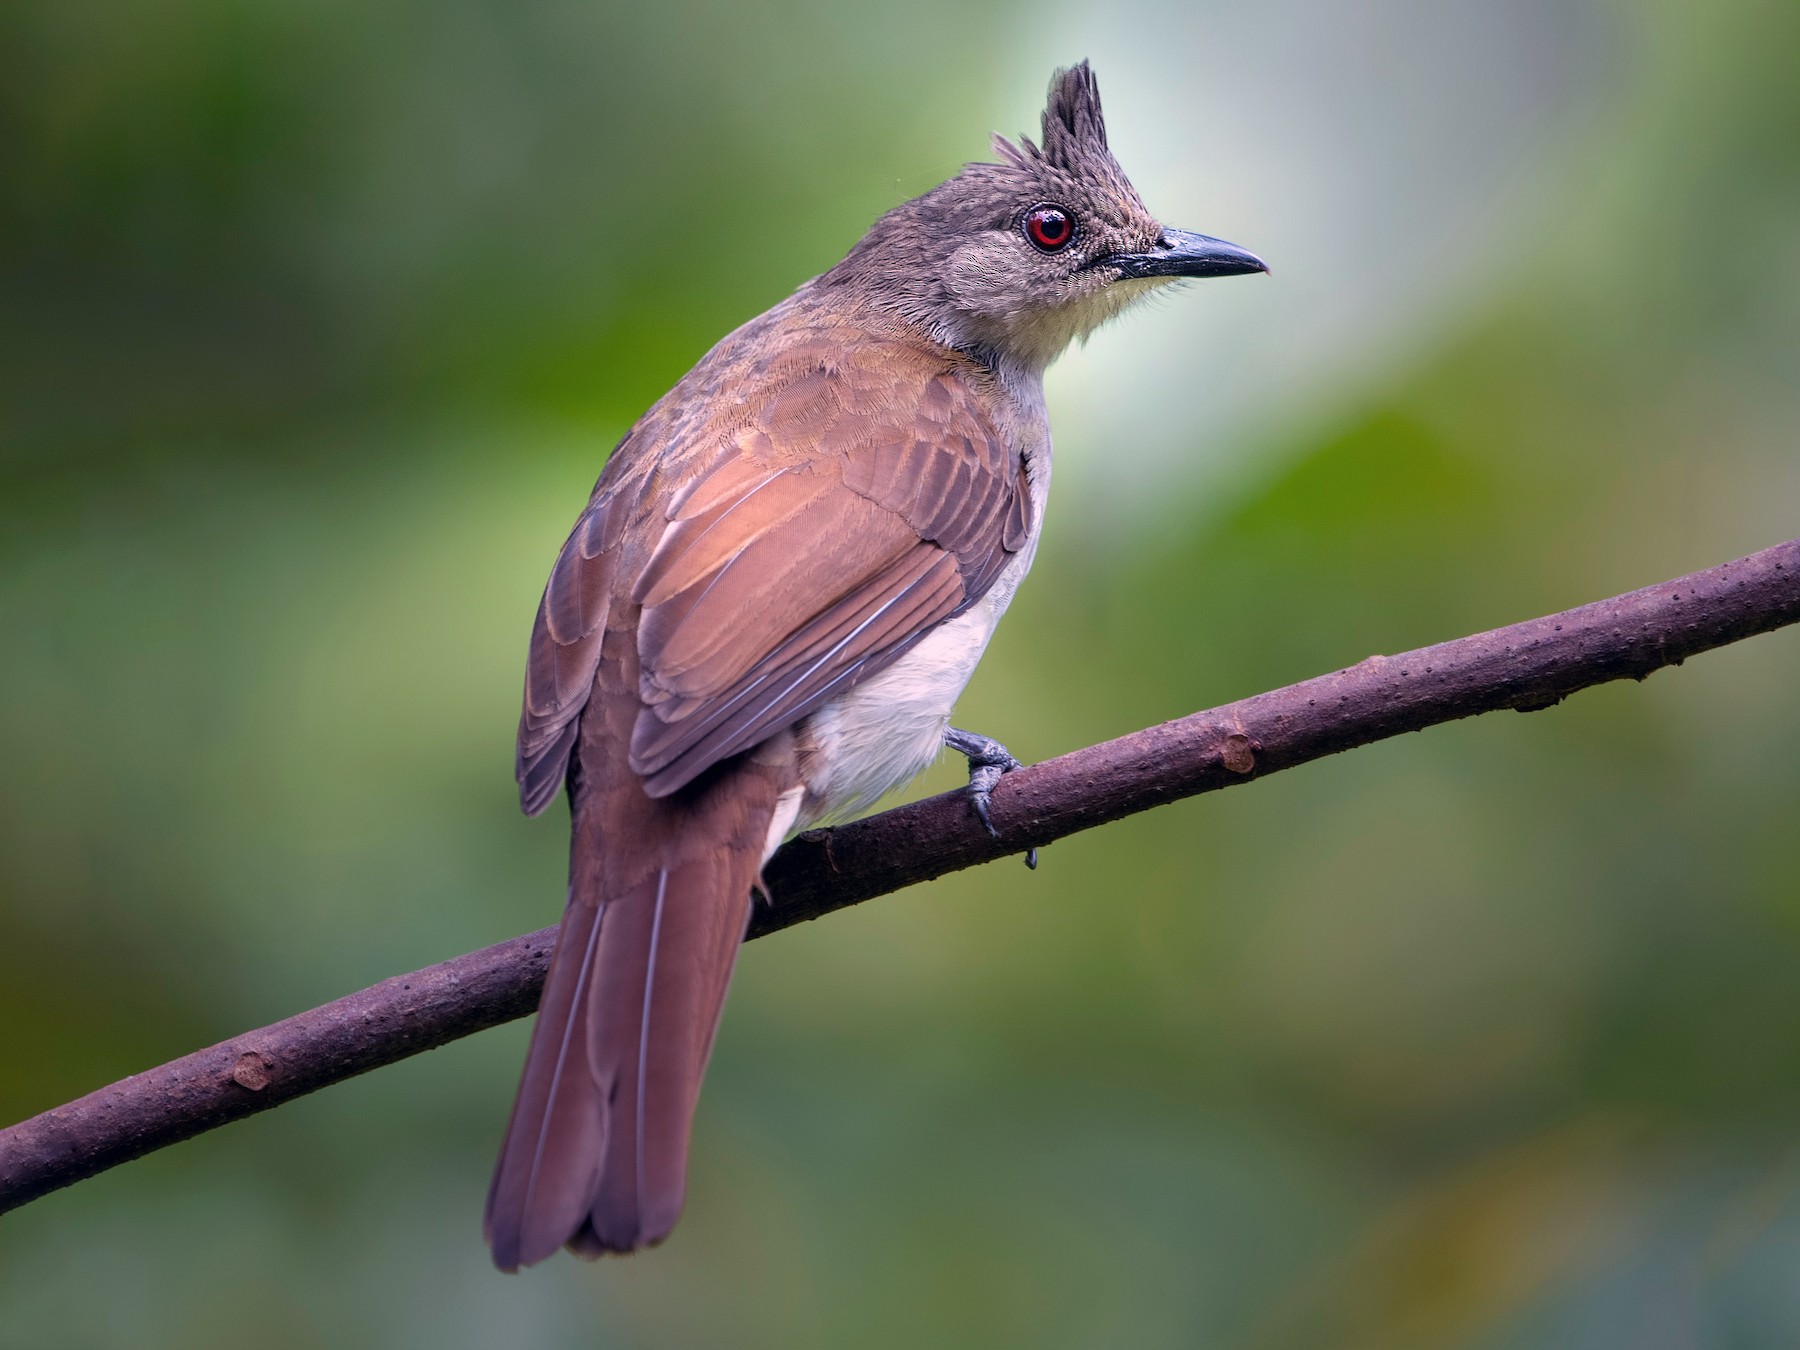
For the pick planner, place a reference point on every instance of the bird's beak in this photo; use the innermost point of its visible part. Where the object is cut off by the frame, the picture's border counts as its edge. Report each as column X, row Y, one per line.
column 1180, row 254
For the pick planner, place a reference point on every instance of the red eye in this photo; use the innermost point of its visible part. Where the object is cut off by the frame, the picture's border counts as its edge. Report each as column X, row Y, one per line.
column 1049, row 228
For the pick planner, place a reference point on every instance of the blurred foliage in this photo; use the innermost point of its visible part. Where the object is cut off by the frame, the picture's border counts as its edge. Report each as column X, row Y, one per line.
column 315, row 322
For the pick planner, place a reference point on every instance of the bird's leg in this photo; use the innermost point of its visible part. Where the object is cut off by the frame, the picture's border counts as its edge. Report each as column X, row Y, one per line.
column 989, row 761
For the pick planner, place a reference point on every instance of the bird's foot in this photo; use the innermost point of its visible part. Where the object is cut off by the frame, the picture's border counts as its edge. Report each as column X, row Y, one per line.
column 989, row 761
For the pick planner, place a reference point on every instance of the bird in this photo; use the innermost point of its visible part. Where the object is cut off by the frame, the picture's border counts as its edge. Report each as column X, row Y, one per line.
column 762, row 620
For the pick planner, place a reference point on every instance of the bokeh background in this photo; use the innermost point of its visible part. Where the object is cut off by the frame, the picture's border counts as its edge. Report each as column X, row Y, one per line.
column 316, row 322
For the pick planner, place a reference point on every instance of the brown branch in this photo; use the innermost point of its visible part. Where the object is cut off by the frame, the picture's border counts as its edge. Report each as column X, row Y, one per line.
column 1527, row 666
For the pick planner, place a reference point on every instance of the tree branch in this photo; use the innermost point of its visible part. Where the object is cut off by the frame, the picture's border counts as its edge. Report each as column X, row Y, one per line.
column 1527, row 666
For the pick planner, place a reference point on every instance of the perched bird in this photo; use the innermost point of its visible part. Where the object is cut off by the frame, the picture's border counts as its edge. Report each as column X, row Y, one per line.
column 783, row 580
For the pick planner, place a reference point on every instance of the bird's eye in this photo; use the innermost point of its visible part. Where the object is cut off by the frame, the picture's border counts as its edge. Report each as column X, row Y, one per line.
column 1050, row 229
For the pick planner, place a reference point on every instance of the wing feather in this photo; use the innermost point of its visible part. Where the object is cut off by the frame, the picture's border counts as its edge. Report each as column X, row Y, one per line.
column 862, row 634
column 832, row 509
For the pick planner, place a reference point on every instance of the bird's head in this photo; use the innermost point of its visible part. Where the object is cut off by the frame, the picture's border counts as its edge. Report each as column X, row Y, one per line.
column 1021, row 257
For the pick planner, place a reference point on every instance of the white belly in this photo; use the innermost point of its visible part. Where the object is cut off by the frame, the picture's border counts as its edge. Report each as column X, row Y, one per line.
column 890, row 727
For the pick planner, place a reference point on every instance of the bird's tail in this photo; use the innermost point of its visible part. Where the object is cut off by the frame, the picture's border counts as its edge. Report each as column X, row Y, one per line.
column 595, row 1155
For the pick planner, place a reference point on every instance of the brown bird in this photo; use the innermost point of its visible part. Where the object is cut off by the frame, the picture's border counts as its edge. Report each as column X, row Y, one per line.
column 783, row 580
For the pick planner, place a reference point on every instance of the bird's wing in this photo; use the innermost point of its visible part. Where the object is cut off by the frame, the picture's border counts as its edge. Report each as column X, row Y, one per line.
column 856, row 498
column 566, row 640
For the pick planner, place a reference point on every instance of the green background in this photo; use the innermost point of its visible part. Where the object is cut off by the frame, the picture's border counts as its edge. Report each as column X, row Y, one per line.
column 316, row 321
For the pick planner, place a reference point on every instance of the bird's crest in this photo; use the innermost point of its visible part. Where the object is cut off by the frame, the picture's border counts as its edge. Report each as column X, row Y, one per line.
column 1074, row 146
column 1074, row 136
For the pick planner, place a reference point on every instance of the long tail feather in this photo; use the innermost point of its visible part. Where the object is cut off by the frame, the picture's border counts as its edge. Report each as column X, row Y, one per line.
column 653, row 1014
column 595, row 1156
column 550, row 1162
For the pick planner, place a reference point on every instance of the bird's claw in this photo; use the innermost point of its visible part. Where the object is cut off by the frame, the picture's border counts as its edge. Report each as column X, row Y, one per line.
column 989, row 762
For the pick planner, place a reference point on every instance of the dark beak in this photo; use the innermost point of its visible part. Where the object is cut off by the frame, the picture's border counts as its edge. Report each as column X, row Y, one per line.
column 1180, row 254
